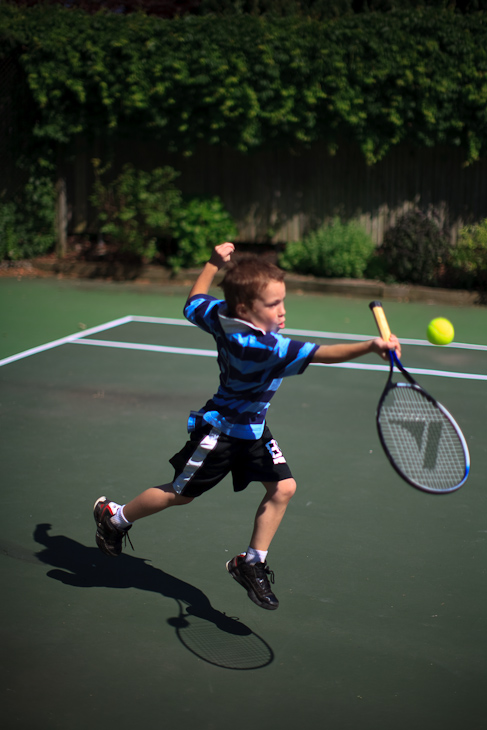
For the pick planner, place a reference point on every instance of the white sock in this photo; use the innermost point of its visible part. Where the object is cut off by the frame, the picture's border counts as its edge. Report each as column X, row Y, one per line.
column 253, row 556
column 119, row 519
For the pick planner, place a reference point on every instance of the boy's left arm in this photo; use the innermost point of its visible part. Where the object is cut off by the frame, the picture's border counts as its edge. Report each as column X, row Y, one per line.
column 219, row 257
column 329, row 354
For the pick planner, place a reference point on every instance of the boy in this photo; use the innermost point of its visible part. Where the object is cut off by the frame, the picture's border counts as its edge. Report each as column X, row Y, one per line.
column 229, row 434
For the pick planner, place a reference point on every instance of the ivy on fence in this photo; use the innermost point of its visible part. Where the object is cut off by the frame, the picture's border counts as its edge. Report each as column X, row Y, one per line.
column 247, row 81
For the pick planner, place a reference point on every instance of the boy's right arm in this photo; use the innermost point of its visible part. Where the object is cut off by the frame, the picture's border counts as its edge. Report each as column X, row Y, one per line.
column 329, row 354
column 220, row 255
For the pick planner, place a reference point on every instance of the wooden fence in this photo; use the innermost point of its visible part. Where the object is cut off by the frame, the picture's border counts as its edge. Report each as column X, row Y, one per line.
column 278, row 195
column 274, row 195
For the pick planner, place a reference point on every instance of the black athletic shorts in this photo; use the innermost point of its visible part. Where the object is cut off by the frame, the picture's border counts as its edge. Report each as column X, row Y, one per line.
column 210, row 455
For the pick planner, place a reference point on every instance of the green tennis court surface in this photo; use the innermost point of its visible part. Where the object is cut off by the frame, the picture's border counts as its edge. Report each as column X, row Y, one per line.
column 382, row 588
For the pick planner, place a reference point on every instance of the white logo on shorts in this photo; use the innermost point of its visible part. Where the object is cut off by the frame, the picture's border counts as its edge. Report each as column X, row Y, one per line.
column 275, row 452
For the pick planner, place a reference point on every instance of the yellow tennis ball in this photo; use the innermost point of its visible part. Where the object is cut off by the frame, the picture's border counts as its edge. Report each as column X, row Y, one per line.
column 440, row 331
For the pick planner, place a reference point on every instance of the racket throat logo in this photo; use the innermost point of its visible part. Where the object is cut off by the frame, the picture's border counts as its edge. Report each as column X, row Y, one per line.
column 432, row 443
column 426, row 435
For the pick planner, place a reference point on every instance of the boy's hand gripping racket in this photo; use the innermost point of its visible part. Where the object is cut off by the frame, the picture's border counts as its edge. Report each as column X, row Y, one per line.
column 421, row 439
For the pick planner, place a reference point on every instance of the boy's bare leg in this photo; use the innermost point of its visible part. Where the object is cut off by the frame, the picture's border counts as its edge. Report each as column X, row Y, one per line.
column 153, row 500
column 254, row 576
column 114, row 521
column 270, row 512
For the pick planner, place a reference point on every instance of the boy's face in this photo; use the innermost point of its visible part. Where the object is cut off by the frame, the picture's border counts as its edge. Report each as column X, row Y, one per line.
column 267, row 311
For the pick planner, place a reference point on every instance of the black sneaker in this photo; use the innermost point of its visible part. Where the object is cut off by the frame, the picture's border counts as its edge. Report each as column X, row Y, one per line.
column 254, row 579
column 108, row 537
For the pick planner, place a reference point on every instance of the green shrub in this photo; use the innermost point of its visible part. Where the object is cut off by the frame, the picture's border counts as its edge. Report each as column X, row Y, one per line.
column 414, row 250
column 319, row 9
column 375, row 79
column 8, row 237
column 335, row 250
column 197, row 226
column 377, row 268
column 135, row 208
column 468, row 260
column 27, row 222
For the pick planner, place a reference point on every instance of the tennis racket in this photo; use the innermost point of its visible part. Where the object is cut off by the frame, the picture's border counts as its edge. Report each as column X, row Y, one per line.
column 421, row 439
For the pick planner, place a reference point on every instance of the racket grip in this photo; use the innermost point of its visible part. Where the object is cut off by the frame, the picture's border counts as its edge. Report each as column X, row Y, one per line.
column 380, row 320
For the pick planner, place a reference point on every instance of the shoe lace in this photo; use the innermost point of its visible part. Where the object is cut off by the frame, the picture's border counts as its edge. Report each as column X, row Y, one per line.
column 262, row 569
column 127, row 537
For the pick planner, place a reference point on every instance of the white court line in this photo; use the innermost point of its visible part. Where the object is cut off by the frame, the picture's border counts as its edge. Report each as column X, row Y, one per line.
column 213, row 353
column 148, row 348
column 162, row 320
column 79, row 338
column 63, row 340
column 415, row 371
column 404, row 340
column 320, row 334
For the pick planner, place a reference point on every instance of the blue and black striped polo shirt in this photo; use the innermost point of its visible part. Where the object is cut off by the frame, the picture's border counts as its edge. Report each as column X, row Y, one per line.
column 252, row 365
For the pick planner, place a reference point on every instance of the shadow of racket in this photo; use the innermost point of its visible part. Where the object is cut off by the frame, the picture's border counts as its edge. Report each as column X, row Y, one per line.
column 221, row 640
column 209, row 634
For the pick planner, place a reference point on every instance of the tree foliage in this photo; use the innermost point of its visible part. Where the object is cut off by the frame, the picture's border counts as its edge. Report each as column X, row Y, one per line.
column 318, row 9
column 246, row 81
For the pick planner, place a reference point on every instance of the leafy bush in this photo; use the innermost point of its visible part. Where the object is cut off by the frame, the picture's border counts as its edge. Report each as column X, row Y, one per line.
column 138, row 209
column 27, row 222
column 135, row 208
column 197, row 226
column 309, row 8
column 8, row 237
column 376, row 79
column 414, row 250
column 468, row 261
column 335, row 250
column 318, row 9
column 322, row 9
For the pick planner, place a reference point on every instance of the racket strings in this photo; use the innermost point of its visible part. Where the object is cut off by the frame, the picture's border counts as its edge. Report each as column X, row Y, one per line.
column 421, row 440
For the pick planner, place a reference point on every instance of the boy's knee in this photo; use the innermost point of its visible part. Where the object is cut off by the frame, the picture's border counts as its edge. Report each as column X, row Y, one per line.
column 290, row 488
column 285, row 490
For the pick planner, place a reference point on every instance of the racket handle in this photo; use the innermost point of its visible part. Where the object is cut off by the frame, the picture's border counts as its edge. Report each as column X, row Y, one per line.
column 380, row 320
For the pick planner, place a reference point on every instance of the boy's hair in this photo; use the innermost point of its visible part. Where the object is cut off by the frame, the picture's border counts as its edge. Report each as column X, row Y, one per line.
column 245, row 280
